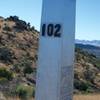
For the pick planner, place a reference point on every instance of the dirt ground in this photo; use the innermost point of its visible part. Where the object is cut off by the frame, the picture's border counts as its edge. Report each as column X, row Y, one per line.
column 86, row 97
column 76, row 97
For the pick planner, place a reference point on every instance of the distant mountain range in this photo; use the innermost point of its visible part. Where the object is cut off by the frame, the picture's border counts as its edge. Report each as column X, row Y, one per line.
column 95, row 50
column 92, row 47
column 93, row 42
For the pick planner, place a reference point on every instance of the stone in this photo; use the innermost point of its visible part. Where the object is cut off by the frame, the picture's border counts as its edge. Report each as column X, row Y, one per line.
column 2, row 96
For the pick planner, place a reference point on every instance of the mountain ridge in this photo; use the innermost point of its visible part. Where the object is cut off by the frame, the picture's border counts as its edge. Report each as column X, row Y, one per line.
column 92, row 49
column 88, row 42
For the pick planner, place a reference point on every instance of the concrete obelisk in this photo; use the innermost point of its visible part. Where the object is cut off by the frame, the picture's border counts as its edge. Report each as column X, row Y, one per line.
column 56, row 51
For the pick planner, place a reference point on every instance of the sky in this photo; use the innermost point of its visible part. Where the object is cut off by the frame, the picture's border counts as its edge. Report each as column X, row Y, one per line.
column 87, row 15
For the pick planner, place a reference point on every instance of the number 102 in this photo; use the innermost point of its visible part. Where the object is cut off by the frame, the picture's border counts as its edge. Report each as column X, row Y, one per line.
column 51, row 30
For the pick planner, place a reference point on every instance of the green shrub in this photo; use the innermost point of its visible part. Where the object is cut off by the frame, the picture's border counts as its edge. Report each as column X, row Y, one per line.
column 3, row 80
column 13, row 18
column 89, row 75
column 25, row 91
column 33, row 94
column 97, row 63
column 21, row 25
column 80, row 85
column 22, row 93
column 4, row 73
column 7, row 28
column 6, row 55
column 28, row 70
column 24, row 65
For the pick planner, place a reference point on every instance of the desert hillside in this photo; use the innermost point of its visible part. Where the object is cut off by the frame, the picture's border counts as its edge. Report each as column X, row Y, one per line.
column 86, row 72
column 18, row 57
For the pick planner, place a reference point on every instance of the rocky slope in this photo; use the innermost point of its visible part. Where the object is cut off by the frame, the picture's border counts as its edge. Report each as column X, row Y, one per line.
column 86, row 72
column 18, row 57
column 18, row 54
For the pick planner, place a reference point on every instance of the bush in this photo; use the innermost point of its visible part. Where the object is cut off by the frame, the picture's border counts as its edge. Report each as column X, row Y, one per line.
column 82, row 86
column 13, row 18
column 33, row 94
column 32, row 28
column 28, row 70
column 24, row 91
column 89, row 74
column 21, row 25
column 6, row 55
column 3, row 80
column 6, row 74
column 7, row 28
column 24, row 65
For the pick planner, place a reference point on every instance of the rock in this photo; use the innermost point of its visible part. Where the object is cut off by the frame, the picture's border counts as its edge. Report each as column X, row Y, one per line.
column 2, row 97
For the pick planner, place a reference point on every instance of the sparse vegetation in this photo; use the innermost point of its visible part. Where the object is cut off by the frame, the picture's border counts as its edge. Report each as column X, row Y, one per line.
column 7, row 28
column 13, row 18
column 18, row 57
column 86, row 70
column 25, row 91
column 24, row 65
column 5, row 54
column 81, row 85
column 5, row 74
column 18, row 43
column 28, row 70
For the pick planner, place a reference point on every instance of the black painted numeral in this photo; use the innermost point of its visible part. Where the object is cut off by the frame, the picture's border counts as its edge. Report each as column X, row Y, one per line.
column 57, row 30
column 43, row 29
column 51, row 30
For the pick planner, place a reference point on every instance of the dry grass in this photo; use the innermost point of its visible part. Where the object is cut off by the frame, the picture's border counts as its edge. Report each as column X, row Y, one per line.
column 76, row 97
column 86, row 97
column 16, row 98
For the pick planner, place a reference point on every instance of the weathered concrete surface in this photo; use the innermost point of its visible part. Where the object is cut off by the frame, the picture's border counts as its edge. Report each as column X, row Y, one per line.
column 56, row 55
